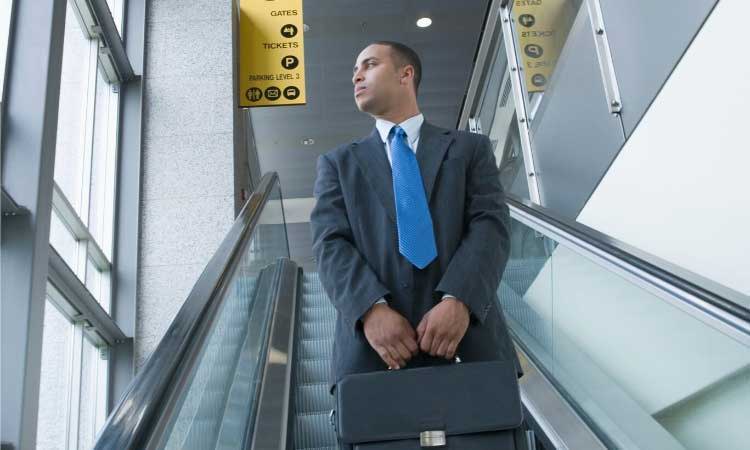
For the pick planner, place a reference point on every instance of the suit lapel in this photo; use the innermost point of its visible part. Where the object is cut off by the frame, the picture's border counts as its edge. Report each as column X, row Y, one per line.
column 433, row 143
column 371, row 158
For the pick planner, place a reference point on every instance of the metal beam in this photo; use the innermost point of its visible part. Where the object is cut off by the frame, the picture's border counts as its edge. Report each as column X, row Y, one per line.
column 28, row 154
column 114, row 46
column 10, row 207
column 127, row 205
column 81, row 232
column 86, row 307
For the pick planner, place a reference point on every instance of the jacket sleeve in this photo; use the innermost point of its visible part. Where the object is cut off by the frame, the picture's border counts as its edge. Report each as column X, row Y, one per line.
column 349, row 281
column 474, row 272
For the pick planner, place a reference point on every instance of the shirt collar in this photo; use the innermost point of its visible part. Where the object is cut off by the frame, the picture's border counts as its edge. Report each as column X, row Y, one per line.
column 411, row 126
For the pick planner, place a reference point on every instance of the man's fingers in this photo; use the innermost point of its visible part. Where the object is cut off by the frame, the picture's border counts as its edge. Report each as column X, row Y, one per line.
column 425, row 344
column 403, row 351
column 442, row 350
column 412, row 345
column 420, row 329
column 399, row 361
column 386, row 357
column 451, row 352
column 437, row 341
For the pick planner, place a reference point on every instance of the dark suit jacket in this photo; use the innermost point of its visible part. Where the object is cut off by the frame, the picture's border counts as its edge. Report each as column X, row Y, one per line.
column 355, row 242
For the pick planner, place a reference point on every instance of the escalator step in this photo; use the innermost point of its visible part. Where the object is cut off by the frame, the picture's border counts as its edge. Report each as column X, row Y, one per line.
column 314, row 302
column 316, row 348
column 317, row 314
column 313, row 398
column 314, row 431
column 319, row 330
column 313, row 371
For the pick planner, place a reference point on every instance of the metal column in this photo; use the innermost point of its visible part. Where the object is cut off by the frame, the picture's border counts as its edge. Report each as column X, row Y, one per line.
column 28, row 156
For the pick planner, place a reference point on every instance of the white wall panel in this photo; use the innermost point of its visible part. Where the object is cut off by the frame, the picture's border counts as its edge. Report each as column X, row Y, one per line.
column 680, row 187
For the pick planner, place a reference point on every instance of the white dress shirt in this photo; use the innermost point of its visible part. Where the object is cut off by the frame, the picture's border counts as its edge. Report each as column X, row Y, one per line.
column 411, row 127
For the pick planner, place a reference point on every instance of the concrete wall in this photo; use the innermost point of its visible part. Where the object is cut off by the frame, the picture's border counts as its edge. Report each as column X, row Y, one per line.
column 187, row 174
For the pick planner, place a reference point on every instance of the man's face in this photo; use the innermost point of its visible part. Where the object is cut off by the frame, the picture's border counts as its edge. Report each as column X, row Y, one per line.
column 377, row 80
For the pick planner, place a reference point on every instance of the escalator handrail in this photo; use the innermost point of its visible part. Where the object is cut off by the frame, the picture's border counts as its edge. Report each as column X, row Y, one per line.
column 133, row 415
column 679, row 279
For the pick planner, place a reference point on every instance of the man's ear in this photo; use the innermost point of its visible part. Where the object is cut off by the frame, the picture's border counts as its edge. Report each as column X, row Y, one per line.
column 407, row 74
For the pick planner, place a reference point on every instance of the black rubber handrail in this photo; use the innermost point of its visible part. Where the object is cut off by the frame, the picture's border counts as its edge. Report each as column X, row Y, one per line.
column 711, row 292
column 131, row 419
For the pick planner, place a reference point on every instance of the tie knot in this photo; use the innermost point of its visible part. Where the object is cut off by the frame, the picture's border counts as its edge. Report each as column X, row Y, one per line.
column 397, row 131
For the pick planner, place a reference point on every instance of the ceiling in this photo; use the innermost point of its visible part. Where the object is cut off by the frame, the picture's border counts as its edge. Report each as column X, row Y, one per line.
column 338, row 31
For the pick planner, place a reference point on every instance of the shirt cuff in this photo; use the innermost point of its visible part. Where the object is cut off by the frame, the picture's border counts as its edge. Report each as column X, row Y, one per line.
column 448, row 296
column 381, row 301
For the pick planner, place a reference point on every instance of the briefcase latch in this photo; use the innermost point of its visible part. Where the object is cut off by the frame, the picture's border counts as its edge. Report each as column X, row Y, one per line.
column 432, row 439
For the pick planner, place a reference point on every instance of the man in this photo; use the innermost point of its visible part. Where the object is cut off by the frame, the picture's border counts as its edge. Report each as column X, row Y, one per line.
column 410, row 232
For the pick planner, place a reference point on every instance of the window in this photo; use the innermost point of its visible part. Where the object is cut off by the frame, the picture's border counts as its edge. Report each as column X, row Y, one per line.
column 54, row 386
column 73, row 385
column 73, row 381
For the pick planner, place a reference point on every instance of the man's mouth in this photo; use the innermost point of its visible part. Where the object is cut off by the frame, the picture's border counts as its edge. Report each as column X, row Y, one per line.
column 358, row 91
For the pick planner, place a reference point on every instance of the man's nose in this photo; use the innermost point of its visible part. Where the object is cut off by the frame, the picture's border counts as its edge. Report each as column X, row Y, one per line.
column 357, row 77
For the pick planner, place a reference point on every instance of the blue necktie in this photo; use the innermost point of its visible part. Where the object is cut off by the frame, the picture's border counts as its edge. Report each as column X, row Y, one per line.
column 416, row 238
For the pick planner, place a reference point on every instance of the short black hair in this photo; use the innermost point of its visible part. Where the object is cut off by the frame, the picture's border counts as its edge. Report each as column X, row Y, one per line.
column 405, row 56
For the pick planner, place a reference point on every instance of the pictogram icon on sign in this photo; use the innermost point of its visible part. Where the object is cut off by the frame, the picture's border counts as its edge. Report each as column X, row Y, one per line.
column 289, row 62
column 291, row 93
column 273, row 93
column 289, row 30
column 253, row 94
column 538, row 80
column 527, row 20
column 533, row 51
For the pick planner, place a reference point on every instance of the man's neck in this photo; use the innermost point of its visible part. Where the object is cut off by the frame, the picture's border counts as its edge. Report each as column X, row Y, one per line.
column 400, row 116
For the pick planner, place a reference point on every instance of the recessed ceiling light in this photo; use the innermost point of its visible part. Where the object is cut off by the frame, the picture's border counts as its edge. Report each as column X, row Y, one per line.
column 308, row 141
column 424, row 22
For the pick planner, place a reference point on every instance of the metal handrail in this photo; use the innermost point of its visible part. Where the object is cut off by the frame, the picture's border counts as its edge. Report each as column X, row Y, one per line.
column 134, row 414
column 719, row 301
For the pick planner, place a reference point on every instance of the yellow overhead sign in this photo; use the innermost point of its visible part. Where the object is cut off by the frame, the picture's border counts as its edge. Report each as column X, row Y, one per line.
column 542, row 27
column 271, row 53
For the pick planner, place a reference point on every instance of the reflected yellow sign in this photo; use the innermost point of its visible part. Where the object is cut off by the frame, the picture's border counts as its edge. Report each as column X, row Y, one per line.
column 271, row 53
column 542, row 27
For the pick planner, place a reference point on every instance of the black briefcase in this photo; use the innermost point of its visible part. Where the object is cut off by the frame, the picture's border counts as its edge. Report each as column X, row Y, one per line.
column 469, row 406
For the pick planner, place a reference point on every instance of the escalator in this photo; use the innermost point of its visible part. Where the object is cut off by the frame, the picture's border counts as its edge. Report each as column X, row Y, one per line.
column 617, row 351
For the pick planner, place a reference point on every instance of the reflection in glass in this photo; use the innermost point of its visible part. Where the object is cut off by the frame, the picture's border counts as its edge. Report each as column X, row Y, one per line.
column 71, row 118
column 217, row 403
column 497, row 113
column 54, row 385
column 103, row 157
column 643, row 373
column 93, row 394
column 540, row 31
column 63, row 241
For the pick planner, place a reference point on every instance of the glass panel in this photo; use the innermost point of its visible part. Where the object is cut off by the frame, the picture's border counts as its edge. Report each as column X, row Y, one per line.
column 642, row 372
column 90, row 395
column 54, row 385
column 219, row 398
column 497, row 113
column 541, row 28
column 63, row 240
column 71, row 121
column 102, row 165
column 93, row 278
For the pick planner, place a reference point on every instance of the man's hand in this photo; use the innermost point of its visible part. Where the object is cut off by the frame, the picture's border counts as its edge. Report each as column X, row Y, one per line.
column 443, row 327
column 391, row 335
